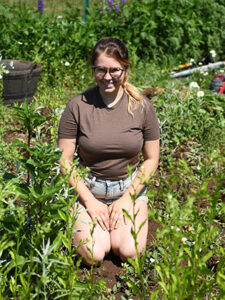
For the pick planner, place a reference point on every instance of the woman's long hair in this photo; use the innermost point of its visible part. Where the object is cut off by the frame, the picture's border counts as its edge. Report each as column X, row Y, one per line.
column 115, row 48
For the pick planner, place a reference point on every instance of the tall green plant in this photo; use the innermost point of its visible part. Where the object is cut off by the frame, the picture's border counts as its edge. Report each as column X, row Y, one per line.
column 188, row 238
column 37, row 218
column 31, row 119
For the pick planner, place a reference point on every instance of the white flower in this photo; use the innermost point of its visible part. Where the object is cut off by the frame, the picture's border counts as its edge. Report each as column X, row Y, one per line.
column 20, row 43
column 213, row 53
column 200, row 63
column 198, row 167
column 184, row 239
column 193, row 85
column 152, row 260
column 205, row 73
column 200, row 94
column 60, row 17
column 170, row 197
column 193, row 243
column 0, row 76
column 192, row 61
column 172, row 227
column 178, row 229
column 59, row 111
column 67, row 63
column 200, row 249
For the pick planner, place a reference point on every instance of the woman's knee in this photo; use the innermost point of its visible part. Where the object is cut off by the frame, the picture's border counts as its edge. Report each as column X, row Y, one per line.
column 125, row 252
column 128, row 249
column 93, row 255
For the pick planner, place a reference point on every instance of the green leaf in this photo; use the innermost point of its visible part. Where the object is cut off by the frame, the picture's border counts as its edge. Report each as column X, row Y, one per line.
column 163, row 285
column 142, row 224
column 132, row 262
column 126, row 214
column 8, row 176
column 62, row 215
column 23, row 280
column 23, row 189
column 207, row 256
column 5, row 243
column 62, row 282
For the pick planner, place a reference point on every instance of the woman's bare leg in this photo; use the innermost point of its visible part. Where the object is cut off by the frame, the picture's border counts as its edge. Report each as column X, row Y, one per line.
column 99, row 243
column 122, row 242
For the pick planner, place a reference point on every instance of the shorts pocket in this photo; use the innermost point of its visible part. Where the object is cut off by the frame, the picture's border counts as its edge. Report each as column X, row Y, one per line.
column 95, row 187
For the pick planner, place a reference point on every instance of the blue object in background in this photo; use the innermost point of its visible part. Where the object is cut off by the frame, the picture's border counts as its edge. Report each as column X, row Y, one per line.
column 86, row 4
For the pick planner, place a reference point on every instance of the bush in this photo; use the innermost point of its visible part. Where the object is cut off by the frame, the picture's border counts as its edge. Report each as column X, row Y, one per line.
column 159, row 28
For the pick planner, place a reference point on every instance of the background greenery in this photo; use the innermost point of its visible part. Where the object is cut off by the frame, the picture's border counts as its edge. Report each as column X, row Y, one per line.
column 164, row 32
column 186, row 196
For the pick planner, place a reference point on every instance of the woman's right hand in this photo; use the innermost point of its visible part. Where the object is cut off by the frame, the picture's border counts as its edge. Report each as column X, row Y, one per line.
column 99, row 211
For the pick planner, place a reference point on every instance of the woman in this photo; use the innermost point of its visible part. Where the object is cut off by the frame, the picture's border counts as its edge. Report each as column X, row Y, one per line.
column 110, row 124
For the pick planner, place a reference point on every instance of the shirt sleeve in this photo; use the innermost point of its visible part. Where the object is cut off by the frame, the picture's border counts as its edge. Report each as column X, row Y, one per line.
column 68, row 125
column 151, row 130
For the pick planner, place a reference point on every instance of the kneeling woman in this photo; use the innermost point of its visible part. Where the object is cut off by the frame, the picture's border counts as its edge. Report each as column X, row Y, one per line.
column 110, row 125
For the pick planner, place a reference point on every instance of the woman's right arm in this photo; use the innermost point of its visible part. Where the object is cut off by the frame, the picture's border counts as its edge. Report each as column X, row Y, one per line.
column 96, row 209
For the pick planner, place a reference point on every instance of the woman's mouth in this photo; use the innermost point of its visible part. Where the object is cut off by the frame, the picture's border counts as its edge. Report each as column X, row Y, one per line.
column 108, row 84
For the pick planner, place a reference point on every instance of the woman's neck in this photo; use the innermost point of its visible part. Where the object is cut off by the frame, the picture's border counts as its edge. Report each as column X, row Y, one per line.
column 110, row 99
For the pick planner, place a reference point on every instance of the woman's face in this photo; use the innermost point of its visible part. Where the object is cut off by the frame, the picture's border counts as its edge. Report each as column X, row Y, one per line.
column 109, row 74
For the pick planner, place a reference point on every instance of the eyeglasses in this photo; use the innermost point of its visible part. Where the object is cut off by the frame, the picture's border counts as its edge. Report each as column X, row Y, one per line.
column 114, row 72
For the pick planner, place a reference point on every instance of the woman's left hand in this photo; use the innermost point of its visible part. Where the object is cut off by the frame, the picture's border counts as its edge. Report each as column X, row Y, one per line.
column 116, row 212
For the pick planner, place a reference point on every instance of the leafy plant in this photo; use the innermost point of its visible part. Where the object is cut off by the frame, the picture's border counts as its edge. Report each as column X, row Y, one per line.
column 36, row 217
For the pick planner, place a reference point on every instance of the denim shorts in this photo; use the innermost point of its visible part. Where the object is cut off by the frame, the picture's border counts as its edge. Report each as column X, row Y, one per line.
column 108, row 191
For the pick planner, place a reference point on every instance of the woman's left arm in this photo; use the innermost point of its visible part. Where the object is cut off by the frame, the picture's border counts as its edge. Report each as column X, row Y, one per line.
column 149, row 166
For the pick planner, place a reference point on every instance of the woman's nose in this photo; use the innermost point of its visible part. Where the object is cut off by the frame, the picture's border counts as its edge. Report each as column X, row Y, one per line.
column 107, row 75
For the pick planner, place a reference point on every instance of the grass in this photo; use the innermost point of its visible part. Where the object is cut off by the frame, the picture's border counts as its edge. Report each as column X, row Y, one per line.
column 52, row 6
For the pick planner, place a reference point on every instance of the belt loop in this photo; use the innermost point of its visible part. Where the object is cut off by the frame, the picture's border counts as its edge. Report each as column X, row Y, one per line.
column 93, row 179
column 121, row 185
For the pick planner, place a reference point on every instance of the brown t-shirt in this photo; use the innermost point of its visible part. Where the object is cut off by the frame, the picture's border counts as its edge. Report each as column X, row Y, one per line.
column 108, row 139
